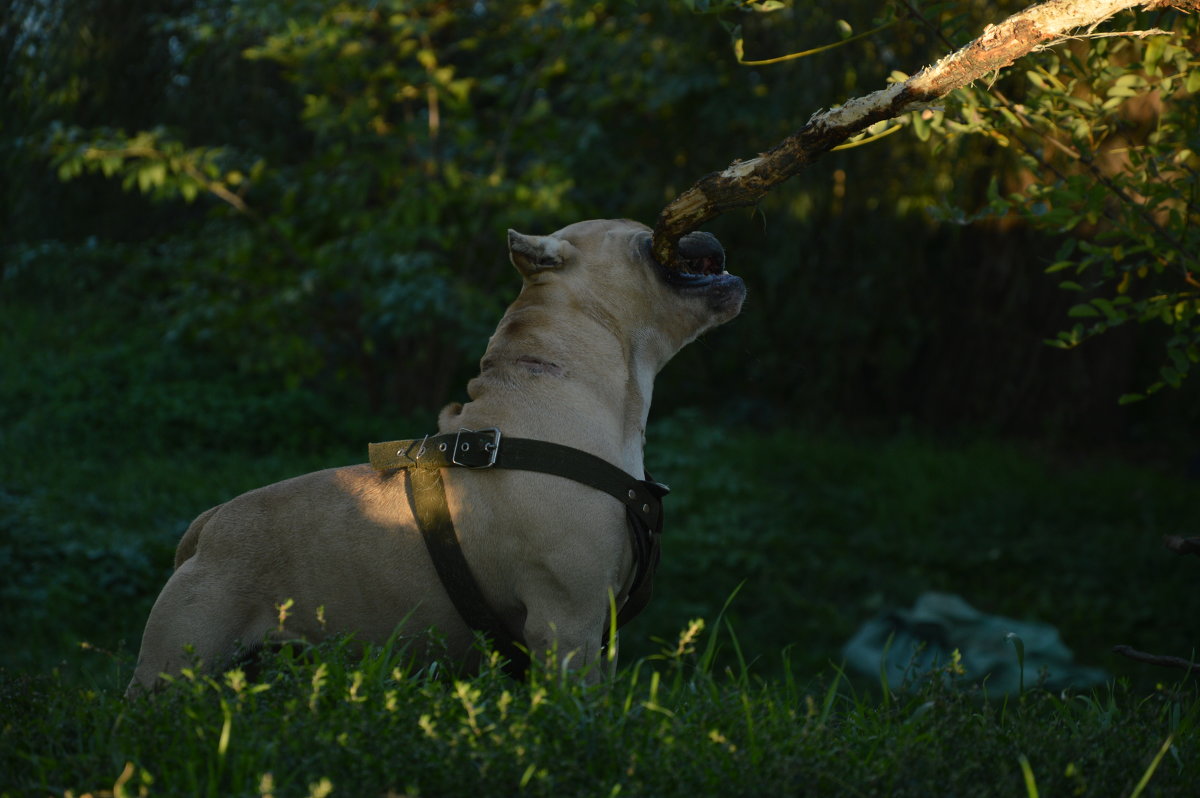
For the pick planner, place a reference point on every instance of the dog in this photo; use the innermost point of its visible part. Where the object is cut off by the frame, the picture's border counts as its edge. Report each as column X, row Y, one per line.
column 572, row 362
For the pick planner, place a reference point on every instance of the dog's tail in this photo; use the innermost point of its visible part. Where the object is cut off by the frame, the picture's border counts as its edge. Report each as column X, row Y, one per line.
column 191, row 538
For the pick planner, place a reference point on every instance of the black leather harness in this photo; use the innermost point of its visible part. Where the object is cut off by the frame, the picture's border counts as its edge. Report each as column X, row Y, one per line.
column 422, row 460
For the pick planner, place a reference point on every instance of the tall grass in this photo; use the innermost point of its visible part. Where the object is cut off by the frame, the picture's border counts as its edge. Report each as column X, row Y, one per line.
column 332, row 722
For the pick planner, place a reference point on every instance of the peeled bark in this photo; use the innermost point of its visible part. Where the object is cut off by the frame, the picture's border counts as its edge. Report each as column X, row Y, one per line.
column 745, row 182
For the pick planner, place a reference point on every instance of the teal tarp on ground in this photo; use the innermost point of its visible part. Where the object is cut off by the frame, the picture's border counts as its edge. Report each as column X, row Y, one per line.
column 924, row 637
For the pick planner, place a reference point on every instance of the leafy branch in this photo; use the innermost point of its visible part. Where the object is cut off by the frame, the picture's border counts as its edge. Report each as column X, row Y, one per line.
column 743, row 183
column 153, row 163
column 165, row 169
column 1139, row 234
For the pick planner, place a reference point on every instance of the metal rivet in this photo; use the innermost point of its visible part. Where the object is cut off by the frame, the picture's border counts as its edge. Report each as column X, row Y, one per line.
column 645, row 508
column 466, row 447
column 632, row 493
column 441, row 447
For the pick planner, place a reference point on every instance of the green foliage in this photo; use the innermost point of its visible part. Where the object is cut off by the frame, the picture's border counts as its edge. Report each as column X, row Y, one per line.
column 332, row 722
column 825, row 531
column 316, row 194
column 319, row 262
column 152, row 163
column 1106, row 134
column 374, row 241
column 722, row 6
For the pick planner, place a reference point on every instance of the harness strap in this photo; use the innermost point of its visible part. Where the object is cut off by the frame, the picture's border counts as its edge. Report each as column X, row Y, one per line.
column 427, row 496
column 425, row 457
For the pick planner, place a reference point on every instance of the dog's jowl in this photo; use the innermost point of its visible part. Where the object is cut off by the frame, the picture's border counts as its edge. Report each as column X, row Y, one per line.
column 567, row 377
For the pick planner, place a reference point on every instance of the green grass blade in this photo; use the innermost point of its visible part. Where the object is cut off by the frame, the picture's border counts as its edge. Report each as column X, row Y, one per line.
column 1141, row 785
column 1027, row 772
column 710, row 650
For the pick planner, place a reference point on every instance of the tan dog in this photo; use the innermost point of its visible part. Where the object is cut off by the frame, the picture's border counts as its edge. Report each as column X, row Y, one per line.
column 573, row 361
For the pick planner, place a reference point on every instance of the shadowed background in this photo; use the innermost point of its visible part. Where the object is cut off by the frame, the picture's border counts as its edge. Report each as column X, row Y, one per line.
column 242, row 239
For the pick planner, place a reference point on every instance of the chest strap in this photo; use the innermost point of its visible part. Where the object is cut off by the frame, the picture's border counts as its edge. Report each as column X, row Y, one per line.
column 423, row 458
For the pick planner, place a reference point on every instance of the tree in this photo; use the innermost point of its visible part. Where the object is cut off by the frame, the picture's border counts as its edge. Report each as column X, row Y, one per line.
column 1144, row 221
column 357, row 165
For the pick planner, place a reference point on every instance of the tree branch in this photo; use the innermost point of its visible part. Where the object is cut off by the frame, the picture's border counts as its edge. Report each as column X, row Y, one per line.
column 745, row 182
column 1157, row 659
column 1182, row 545
column 1071, row 152
column 1179, row 545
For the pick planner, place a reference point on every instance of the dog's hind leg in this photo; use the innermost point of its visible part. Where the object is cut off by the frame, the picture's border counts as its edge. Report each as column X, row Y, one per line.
column 196, row 621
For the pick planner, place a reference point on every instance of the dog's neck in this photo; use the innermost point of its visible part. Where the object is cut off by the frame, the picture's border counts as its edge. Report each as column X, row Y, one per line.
column 583, row 384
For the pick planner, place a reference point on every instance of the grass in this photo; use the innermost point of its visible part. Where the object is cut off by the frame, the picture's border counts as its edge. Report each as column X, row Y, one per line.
column 826, row 530
column 330, row 723
column 112, row 439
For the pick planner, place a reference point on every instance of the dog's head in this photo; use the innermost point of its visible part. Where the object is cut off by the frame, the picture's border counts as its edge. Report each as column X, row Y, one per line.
column 604, row 269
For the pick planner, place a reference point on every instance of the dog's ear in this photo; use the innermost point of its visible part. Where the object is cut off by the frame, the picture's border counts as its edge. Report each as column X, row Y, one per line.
column 534, row 254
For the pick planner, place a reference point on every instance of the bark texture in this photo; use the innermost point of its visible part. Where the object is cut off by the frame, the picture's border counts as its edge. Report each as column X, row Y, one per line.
column 745, row 182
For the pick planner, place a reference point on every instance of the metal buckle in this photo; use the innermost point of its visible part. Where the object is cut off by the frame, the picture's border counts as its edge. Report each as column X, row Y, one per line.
column 462, row 455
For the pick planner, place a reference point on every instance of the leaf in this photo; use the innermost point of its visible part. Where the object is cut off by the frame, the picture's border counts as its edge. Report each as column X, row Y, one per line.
column 151, row 176
column 1083, row 312
column 1130, row 398
column 1153, row 54
column 1019, row 645
column 1068, row 285
column 1131, row 80
column 920, row 126
column 1108, row 310
column 69, row 168
column 1182, row 364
